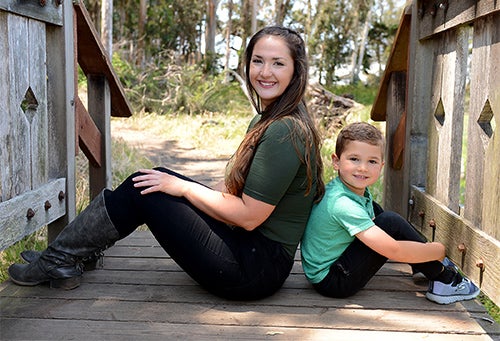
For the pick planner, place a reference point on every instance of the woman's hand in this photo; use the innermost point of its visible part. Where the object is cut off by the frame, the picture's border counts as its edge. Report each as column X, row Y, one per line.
column 243, row 211
column 156, row 181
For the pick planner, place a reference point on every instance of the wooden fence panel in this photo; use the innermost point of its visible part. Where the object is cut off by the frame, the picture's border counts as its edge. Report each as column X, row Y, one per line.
column 445, row 135
column 15, row 132
column 444, row 55
column 482, row 193
column 24, row 114
column 28, row 193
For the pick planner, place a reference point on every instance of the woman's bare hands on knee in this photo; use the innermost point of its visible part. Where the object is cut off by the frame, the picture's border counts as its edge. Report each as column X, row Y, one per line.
column 156, row 181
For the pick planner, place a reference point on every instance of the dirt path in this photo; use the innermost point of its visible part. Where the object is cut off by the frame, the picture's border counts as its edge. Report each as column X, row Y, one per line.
column 197, row 163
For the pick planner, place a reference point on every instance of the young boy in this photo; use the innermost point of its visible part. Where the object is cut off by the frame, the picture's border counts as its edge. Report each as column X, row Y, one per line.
column 349, row 237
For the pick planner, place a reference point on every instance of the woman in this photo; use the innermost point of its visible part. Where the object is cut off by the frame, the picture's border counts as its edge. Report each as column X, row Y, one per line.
column 238, row 239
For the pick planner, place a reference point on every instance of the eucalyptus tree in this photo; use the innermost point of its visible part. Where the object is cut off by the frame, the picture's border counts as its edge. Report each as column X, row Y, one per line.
column 330, row 43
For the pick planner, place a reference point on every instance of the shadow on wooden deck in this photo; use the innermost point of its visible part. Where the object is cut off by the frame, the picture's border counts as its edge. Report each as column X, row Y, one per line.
column 141, row 294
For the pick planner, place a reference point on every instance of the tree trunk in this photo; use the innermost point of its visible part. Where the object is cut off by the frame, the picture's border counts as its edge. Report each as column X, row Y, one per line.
column 139, row 59
column 255, row 6
column 361, row 55
column 107, row 26
column 228, row 37
column 210, row 33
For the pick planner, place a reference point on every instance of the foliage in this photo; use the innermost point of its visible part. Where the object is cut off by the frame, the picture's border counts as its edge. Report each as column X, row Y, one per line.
column 35, row 241
column 163, row 87
column 174, row 25
column 328, row 44
column 330, row 28
column 361, row 93
column 490, row 306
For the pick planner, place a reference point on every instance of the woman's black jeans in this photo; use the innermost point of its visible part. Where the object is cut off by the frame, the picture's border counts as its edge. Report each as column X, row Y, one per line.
column 228, row 261
column 358, row 264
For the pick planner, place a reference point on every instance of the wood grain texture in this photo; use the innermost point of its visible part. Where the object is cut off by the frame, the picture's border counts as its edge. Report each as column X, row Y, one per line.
column 141, row 293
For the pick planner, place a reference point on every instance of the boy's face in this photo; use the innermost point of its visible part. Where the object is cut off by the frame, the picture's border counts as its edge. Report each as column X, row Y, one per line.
column 359, row 166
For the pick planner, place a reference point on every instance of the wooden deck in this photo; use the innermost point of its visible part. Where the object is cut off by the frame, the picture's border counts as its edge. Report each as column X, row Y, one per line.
column 141, row 294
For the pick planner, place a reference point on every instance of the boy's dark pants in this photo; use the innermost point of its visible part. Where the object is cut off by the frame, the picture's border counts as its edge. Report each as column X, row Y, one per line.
column 358, row 264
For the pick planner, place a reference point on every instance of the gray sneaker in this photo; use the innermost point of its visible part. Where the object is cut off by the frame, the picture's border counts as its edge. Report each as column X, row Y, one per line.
column 448, row 263
column 460, row 289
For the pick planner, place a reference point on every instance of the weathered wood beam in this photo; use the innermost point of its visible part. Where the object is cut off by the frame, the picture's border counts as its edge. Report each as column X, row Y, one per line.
column 89, row 136
column 26, row 213
column 49, row 12
column 437, row 17
column 93, row 59
column 397, row 62
column 436, row 222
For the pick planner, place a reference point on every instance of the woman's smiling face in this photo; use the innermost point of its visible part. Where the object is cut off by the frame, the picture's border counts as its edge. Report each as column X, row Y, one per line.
column 271, row 68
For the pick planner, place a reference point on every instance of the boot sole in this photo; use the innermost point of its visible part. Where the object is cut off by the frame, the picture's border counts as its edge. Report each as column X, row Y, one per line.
column 87, row 265
column 65, row 283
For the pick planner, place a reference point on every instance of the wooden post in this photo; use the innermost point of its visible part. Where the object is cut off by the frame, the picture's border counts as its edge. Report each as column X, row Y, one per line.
column 393, row 173
column 99, row 108
column 60, row 72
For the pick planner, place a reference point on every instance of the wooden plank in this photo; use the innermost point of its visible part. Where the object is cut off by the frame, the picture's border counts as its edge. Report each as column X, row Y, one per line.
column 61, row 113
column 397, row 62
column 420, row 80
column 482, row 191
column 221, row 313
column 452, row 230
column 168, row 304
column 445, row 140
column 439, row 18
column 395, row 144
column 37, row 329
column 89, row 136
column 38, row 85
column 16, row 136
column 99, row 106
column 175, row 276
column 4, row 101
column 14, row 223
column 285, row 297
column 93, row 59
column 50, row 12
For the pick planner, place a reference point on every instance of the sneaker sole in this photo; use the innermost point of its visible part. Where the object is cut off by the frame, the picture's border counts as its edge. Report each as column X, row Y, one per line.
column 450, row 299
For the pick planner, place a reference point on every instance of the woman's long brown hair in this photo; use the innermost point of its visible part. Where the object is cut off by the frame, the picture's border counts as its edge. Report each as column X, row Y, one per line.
column 290, row 104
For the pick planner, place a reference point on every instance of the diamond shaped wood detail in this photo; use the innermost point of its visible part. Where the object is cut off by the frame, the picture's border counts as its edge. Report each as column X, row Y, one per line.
column 29, row 105
column 439, row 113
column 486, row 121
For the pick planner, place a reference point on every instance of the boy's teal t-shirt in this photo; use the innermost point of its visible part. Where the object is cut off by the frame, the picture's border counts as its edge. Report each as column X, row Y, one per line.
column 332, row 227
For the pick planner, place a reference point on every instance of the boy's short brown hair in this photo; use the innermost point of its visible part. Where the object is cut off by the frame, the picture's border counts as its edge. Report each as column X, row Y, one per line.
column 359, row 131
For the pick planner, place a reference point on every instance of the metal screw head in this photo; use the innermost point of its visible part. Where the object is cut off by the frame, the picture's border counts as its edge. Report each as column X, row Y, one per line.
column 461, row 248
column 30, row 213
column 480, row 264
column 47, row 205
column 43, row 2
column 61, row 195
column 421, row 214
column 432, row 223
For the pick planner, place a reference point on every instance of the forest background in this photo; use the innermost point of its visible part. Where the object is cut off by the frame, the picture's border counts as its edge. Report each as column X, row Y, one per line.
column 346, row 40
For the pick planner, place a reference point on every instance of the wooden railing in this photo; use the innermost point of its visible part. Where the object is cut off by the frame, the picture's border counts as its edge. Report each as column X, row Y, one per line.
column 440, row 97
column 43, row 119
